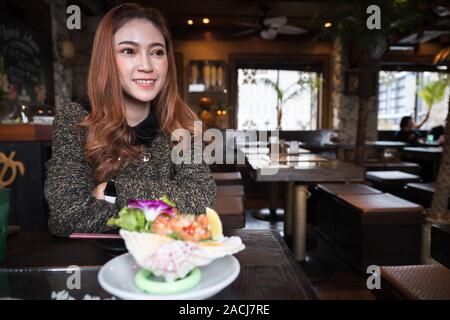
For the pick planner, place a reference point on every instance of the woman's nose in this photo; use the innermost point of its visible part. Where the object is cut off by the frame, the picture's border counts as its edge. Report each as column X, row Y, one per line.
column 145, row 63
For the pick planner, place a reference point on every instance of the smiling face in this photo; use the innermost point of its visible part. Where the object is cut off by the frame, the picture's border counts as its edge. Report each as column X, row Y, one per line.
column 141, row 59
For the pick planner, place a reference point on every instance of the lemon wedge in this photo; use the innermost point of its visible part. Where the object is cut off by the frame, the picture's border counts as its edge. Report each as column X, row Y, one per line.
column 214, row 223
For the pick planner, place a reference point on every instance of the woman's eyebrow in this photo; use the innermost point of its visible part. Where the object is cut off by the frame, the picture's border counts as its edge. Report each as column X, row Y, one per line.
column 133, row 43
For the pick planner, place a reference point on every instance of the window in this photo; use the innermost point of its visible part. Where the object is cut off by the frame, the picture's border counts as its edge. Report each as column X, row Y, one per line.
column 398, row 96
column 257, row 99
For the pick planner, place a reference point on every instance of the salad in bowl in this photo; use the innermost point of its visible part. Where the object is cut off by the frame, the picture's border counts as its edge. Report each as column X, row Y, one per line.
column 170, row 246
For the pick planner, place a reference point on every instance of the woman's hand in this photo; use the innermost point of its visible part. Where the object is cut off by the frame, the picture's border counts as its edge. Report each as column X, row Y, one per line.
column 99, row 190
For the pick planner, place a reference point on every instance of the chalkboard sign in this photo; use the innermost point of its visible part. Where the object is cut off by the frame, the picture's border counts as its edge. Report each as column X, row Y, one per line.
column 24, row 62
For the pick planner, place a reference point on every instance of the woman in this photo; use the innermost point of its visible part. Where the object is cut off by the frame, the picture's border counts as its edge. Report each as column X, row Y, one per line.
column 409, row 132
column 438, row 133
column 122, row 138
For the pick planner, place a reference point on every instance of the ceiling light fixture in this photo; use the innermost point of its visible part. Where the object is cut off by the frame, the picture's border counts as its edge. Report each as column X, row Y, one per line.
column 206, row 20
column 327, row 24
column 190, row 22
column 401, row 48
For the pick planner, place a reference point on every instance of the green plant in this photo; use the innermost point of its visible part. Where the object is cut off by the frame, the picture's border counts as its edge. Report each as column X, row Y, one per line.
column 367, row 45
column 439, row 207
column 433, row 92
column 306, row 80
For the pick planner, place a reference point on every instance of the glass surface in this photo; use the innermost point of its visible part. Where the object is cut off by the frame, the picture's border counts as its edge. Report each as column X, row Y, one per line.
column 51, row 284
column 399, row 96
column 260, row 91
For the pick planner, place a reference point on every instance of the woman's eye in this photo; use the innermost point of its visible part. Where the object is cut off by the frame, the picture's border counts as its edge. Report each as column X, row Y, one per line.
column 127, row 51
column 158, row 52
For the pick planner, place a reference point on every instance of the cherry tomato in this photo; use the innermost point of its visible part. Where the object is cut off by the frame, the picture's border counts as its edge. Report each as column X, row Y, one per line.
column 190, row 229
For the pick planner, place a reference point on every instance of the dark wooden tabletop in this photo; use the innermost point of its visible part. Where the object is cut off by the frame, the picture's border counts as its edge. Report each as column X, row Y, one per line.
column 431, row 153
column 380, row 144
column 310, row 172
column 268, row 270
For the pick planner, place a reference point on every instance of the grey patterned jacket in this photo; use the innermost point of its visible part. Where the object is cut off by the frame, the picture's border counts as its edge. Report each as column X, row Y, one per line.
column 69, row 180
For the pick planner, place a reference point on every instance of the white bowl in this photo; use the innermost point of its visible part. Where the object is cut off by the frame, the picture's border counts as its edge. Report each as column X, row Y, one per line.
column 117, row 278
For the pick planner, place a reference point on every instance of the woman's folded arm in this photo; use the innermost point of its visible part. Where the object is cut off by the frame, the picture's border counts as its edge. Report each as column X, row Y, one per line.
column 69, row 185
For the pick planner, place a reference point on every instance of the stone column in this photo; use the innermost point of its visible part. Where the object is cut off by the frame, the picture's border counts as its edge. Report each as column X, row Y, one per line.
column 345, row 106
column 62, row 70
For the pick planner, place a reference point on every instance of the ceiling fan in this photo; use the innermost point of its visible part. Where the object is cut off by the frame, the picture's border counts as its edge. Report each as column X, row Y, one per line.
column 270, row 27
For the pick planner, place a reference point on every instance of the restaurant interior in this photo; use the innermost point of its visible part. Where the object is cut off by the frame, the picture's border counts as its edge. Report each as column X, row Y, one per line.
column 333, row 116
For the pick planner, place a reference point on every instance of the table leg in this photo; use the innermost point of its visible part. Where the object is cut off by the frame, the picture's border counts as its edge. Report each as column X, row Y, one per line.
column 289, row 212
column 315, row 268
column 299, row 222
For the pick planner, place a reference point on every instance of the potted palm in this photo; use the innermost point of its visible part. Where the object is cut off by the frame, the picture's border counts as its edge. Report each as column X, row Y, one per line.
column 433, row 92
column 438, row 211
column 367, row 46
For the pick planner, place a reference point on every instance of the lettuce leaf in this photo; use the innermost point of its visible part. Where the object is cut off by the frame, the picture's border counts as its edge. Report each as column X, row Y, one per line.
column 131, row 220
column 167, row 201
column 133, row 217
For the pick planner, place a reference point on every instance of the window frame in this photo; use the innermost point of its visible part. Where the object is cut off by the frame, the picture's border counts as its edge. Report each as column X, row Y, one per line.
column 419, row 64
column 317, row 63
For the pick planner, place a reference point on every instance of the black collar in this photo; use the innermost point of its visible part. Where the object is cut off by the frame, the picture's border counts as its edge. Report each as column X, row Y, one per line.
column 144, row 132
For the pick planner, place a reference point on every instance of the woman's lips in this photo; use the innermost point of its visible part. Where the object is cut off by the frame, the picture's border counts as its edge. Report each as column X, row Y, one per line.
column 145, row 83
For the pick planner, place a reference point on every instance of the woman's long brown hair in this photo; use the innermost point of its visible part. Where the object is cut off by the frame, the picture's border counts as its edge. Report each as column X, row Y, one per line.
column 108, row 136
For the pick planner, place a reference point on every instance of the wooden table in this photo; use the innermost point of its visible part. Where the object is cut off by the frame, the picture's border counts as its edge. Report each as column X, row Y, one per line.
column 303, row 174
column 308, row 172
column 265, row 150
column 430, row 156
column 381, row 146
column 252, row 154
column 298, row 176
column 431, row 153
column 268, row 270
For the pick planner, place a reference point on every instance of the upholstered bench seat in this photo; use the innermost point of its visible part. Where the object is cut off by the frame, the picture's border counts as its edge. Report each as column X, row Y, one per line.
column 346, row 188
column 227, row 178
column 395, row 175
column 391, row 181
column 378, row 229
column 230, row 190
column 326, row 203
column 421, row 193
column 427, row 187
column 419, row 282
column 230, row 199
column 385, row 208
column 408, row 167
column 231, row 211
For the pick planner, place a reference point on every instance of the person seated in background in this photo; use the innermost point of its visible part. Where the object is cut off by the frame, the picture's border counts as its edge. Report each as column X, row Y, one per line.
column 438, row 133
column 409, row 132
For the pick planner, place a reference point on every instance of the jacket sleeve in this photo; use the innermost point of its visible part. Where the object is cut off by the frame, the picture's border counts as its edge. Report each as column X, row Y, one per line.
column 69, row 184
column 191, row 187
